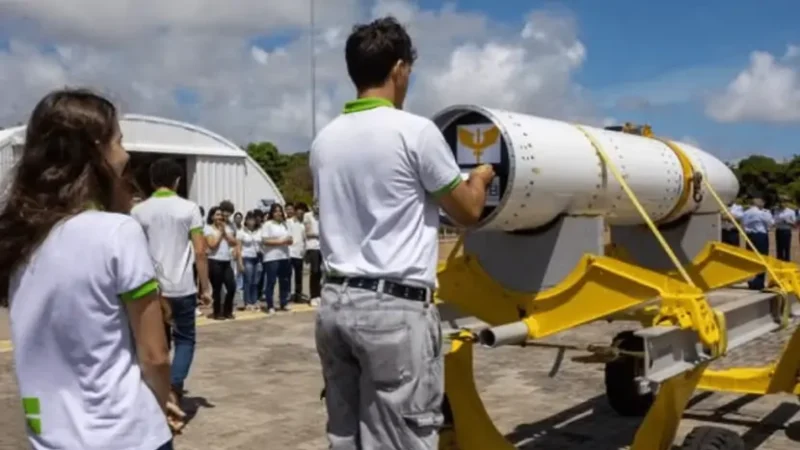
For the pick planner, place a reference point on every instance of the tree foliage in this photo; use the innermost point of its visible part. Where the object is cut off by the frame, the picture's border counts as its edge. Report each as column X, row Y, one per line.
column 289, row 171
column 770, row 179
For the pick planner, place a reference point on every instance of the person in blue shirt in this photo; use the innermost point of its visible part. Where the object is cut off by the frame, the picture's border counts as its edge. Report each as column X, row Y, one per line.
column 757, row 222
column 730, row 235
column 785, row 222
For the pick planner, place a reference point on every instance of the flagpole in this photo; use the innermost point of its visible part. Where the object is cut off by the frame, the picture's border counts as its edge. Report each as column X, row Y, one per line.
column 313, row 68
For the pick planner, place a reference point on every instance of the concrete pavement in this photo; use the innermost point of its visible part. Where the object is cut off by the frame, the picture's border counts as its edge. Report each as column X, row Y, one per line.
column 255, row 385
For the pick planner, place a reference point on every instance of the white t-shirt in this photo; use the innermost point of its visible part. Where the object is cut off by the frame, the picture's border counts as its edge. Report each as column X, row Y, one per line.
column 312, row 224
column 74, row 354
column 275, row 230
column 298, row 233
column 169, row 221
column 250, row 241
column 382, row 222
column 223, row 250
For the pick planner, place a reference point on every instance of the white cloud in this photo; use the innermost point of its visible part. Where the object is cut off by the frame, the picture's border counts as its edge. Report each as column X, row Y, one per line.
column 768, row 90
column 142, row 52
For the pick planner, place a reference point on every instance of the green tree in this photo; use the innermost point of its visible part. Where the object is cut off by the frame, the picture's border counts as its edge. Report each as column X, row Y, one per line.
column 267, row 156
column 290, row 172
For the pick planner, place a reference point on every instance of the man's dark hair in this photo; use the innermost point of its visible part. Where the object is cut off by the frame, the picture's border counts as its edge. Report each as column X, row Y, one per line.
column 164, row 172
column 226, row 206
column 373, row 49
column 301, row 206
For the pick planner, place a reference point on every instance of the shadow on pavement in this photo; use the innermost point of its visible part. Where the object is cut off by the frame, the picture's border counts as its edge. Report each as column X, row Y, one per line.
column 191, row 406
column 593, row 424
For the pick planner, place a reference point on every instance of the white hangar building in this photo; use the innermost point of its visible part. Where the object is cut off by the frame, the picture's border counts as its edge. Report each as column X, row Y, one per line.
column 216, row 169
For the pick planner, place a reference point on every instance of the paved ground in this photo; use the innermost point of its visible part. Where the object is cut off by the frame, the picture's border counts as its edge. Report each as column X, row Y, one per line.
column 255, row 385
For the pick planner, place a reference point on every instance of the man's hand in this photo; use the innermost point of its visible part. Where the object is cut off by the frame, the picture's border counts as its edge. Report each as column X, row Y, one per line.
column 176, row 418
column 206, row 297
column 484, row 173
column 289, row 240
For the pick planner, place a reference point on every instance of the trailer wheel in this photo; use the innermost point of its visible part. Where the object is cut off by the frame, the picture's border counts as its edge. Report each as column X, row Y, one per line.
column 622, row 390
column 713, row 438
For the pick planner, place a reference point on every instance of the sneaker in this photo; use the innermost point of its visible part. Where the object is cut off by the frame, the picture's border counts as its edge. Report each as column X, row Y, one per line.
column 284, row 308
column 270, row 311
column 315, row 301
column 198, row 312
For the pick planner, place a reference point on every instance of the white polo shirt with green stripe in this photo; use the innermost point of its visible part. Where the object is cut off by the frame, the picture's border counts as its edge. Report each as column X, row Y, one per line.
column 74, row 356
column 377, row 172
column 169, row 221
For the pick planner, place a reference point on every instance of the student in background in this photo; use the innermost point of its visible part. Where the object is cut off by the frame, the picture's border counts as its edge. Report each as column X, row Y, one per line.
column 276, row 239
column 730, row 235
column 174, row 229
column 221, row 241
column 785, row 222
column 249, row 239
column 757, row 222
column 294, row 220
column 313, row 254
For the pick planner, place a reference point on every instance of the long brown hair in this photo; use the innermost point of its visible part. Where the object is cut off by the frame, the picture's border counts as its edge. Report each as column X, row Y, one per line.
column 62, row 171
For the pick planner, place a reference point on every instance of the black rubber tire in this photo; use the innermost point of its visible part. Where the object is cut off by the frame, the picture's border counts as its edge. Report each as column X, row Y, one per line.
column 713, row 438
column 622, row 391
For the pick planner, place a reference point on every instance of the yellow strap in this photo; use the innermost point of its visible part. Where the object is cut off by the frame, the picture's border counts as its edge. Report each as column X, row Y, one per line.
column 724, row 210
column 688, row 177
column 639, row 208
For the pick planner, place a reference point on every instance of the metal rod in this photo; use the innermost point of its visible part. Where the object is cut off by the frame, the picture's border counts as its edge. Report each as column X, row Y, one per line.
column 313, row 68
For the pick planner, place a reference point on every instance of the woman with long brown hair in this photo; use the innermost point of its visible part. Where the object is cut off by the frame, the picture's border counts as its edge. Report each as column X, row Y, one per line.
column 77, row 277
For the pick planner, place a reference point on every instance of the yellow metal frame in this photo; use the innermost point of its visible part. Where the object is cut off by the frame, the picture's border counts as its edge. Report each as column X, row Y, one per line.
column 603, row 286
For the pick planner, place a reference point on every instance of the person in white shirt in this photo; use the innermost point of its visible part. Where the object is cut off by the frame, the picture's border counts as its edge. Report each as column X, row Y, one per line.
column 174, row 229
column 294, row 220
column 785, row 223
column 313, row 256
column 221, row 240
column 381, row 176
column 249, row 239
column 276, row 239
column 90, row 352
column 757, row 222
column 730, row 235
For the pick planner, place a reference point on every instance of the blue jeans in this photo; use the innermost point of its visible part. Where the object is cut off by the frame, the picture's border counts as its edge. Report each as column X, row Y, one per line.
column 252, row 275
column 761, row 243
column 183, row 335
column 279, row 271
column 167, row 446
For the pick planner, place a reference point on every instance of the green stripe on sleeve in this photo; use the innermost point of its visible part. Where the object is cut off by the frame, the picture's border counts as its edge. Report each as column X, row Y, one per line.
column 31, row 406
column 448, row 188
column 141, row 291
column 193, row 231
column 33, row 411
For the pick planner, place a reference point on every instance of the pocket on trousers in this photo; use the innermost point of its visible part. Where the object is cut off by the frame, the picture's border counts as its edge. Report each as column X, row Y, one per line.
column 387, row 355
column 423, row 413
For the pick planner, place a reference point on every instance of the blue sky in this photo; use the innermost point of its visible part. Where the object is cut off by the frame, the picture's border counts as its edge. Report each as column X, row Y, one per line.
column 655, row 62
column 668, row 52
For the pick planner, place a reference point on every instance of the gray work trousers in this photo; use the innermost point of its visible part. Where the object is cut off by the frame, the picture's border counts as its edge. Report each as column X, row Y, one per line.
column 384, row 370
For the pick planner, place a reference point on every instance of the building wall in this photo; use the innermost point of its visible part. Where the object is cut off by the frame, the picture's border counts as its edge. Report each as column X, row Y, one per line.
column 212, row 179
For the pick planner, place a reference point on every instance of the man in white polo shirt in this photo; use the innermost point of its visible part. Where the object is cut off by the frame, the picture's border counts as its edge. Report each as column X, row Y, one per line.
column 381, row 175
column 174, row 229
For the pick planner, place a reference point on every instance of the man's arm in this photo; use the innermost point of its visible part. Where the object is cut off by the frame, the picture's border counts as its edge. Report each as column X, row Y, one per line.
column 199, row 243
column 440, row 175
column 147, row 324
column 134, row 278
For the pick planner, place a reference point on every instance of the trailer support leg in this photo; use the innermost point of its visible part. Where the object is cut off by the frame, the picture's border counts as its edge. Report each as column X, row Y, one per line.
column 657, row 431
column 472, row 426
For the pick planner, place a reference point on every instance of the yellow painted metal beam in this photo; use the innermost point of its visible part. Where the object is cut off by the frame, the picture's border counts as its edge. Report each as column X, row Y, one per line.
column 657, row 431
column 473, row 429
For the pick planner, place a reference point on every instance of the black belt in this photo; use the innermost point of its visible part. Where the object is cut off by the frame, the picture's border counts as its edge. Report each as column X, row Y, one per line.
column 404, row 291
